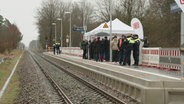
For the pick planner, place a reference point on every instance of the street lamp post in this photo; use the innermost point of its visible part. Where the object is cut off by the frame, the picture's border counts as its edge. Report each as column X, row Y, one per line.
column 70, row 29
column 59, row 19
column 83, row 16
column 55, row 31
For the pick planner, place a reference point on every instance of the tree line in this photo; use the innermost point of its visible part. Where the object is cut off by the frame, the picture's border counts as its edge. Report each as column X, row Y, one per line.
column 10, row 36
column 161, row 27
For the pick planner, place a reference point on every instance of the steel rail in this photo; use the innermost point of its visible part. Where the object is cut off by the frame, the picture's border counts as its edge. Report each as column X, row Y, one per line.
column 95, row 88
column 53, row 83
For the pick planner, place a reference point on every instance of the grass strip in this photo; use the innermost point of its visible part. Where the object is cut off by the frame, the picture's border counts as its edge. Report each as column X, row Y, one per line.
column 12, row 90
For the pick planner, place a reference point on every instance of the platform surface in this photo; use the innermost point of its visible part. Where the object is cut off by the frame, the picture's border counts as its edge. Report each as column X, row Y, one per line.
column 149, row 74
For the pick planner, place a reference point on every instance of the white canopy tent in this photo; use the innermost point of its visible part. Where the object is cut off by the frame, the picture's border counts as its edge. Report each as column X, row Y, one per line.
column 118, row 28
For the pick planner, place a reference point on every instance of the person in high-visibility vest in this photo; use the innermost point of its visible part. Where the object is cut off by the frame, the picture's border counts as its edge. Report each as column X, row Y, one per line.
column 129, row 48
column 136, row 49
column 57, row 48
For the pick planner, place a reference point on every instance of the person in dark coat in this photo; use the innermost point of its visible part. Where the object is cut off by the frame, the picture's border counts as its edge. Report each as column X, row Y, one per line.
column 102, row 49
column 83, row 47
column 136, row 49
column 54, row 48
column 129, row 48
column 122, row 44
column 106, row 49
column 92, row 48
column 146, row 42
column 98, row 49
column 57, row 48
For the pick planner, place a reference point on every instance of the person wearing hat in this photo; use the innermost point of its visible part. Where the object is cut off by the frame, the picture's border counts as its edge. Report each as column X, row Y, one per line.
column 131, row 41
column 136, row 49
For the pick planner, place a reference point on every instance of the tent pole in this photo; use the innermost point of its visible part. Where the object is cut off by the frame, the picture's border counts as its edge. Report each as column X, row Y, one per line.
column 110, row 10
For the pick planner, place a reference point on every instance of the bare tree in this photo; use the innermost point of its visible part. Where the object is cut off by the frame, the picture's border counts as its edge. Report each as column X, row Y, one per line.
column 129, row 9
column 155, row 16
column 48, row 13
column 162, row 27
column 10, row 36
column 123, row 9
column 81, row 17
column 103, row 10
column 52, row 9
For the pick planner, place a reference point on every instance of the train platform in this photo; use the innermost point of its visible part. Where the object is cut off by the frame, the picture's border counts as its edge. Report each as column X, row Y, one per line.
column 145, row 85
column 163, row 74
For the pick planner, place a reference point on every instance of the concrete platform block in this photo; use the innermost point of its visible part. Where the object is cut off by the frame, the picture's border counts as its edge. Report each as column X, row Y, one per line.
column 174, row 92
column 175, row 97
column 153, row 96
column 138, row 95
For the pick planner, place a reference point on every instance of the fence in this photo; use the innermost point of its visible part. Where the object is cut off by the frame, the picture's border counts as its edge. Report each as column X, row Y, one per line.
column 76, row 51
column 162, row 58
column 150, row 57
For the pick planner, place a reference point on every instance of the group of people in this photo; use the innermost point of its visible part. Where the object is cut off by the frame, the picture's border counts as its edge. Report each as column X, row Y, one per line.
column 122, row 48
column 98, row 50
column 56, row 48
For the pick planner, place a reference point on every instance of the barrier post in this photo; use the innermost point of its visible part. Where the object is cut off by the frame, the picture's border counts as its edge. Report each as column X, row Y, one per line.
column 182, row 44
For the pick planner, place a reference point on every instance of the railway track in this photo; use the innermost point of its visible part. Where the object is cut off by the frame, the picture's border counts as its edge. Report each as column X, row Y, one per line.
column 95, row 95
column 107, row 88
column 62, row 99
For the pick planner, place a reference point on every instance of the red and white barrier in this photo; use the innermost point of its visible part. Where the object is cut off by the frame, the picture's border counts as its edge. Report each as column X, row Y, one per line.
column 169, row 52
column 162, row 58
column 172, row 58
column 150, row 57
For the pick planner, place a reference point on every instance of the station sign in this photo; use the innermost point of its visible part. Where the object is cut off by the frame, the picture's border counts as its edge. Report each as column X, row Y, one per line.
column 78, row 29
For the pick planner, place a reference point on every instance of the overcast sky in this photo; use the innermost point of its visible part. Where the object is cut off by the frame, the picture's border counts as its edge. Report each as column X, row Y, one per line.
column 22, row 13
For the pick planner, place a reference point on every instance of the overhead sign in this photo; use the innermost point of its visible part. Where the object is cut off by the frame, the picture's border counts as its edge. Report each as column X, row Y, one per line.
column 78, row 29
column 180, row 4
column 137, row 26
column 105, row 25
column 174, row 8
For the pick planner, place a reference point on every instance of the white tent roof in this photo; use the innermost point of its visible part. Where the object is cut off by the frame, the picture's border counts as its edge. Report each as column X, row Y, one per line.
column 118, row 27
column 92, row 32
